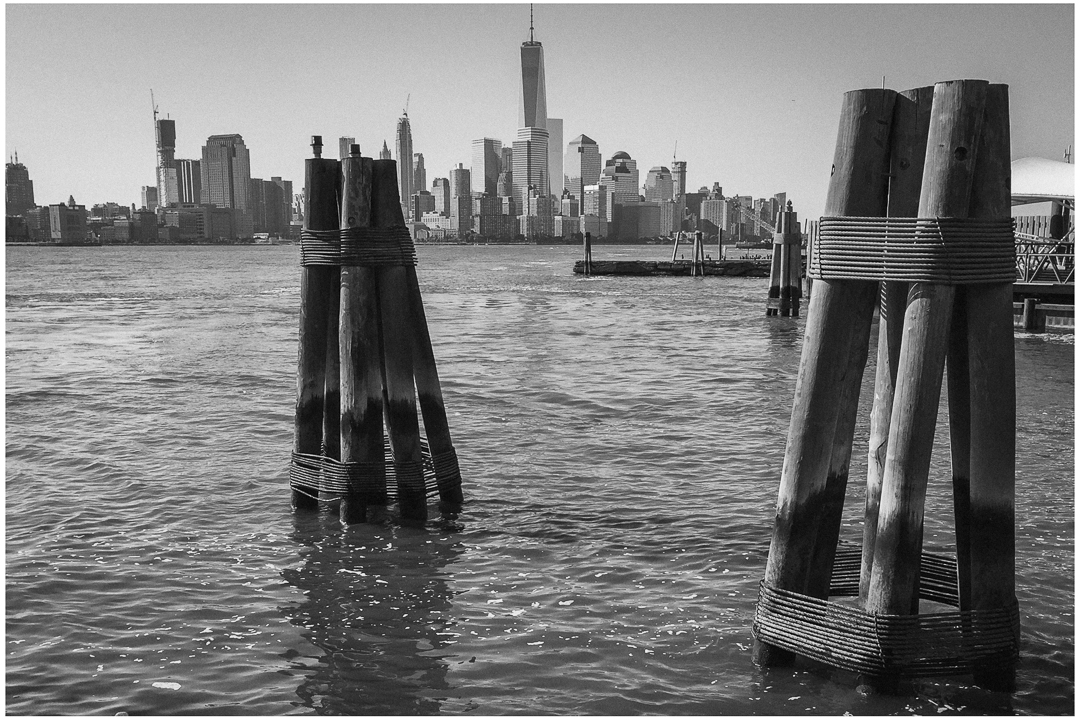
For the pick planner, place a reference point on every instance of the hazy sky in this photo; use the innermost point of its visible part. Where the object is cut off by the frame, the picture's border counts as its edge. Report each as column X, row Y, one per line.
column 751, row 93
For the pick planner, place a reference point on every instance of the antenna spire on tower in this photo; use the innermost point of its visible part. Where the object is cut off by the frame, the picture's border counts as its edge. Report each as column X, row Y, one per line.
column 405, row 112
column 531, row 22
column 154, row 104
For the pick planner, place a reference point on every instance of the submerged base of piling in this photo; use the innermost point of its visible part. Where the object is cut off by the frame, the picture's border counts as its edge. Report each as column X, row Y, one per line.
column 648, row 268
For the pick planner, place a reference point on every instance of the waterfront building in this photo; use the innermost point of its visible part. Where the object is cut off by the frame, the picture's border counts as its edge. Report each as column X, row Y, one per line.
column 189, row 181
column 530, row 164
column 168, row 191
column 267, row 207
column 659, row 186
column 226, row 178
column 140, row 229
column 620, row 175
column 569, row 205
column 423, row 203
column 555, row 157
column 286, row 197
column 582, row 164
column 67, row 222
column 419, row 174
column 713, row 215
column 344, row 143
column 486, row 164
column 20, row 188
column 461, row 199
column 670, row 217
column 384, row 154
column 149, row 197
column 440, row 188
column 598, row 226
column 598, row 201
column 403, row 147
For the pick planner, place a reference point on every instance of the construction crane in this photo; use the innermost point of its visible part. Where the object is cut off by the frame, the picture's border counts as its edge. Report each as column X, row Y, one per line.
column 405, row 112
column 154, row 104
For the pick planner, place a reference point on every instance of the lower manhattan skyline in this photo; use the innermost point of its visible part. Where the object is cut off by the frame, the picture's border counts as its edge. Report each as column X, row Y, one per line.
column 749, row 93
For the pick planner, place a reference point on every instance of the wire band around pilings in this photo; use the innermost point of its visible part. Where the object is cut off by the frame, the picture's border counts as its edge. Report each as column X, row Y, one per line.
column 910, row 646
column 329, row 477
column 948, row 251
column 410, row 475
column 364, row 247
column 447, row 472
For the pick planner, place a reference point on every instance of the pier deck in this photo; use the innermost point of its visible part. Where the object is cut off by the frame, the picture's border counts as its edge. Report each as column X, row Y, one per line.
column 651, row 268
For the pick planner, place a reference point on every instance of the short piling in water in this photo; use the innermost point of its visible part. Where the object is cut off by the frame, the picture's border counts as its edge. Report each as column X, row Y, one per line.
column 957, row 257
column 697, row 265
column 587, row 260
column 386, row 367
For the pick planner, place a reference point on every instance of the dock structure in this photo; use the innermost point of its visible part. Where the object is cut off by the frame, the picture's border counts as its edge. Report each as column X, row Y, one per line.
column 652, row 268
column 916, row 223
column 365, row 357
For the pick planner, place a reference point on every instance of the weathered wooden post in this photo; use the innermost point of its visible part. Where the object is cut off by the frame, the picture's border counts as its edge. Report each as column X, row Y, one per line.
column 675, row 249
column 697, row 265
column 910, row 126
column 991, row 553
column 316, row 291
column 720, row 243
column 776, row 271
column 838, row 311
column 362, row 443
column 1033, row 320
column 587, row 263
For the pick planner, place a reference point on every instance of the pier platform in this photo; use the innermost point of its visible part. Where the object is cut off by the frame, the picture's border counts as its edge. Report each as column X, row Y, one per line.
column 651, row 268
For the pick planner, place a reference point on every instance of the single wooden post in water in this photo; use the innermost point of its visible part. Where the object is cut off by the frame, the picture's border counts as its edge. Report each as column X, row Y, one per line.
column 362, row 443
column 587, row 263
column 394, row 302
column 911, row 123
column 992, row 377
column 316, row 289
column 675, row 249
column 1033, row 319
column 697, row 267
column 776, row 270
column 952, row 145
column 858, row 187
column 720, row 243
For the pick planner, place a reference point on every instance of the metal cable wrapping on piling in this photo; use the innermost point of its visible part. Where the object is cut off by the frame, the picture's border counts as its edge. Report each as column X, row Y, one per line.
column 949, row 251
column 364, row 247
column 328, row 476
column 911, row 646
column 447, row 472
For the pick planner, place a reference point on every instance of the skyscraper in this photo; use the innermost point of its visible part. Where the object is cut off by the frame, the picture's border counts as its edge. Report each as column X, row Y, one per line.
column 620, row 175
column 167, row 187
column 189, row 181
column 461, row 198
column 555, row 156
column 440, row 188
column 226, row 178
column 384, row 154
column 486, row 161
column 532, row 163
column 659, row 186
column 404, row 162
column 419, row 174
column 582, row 164
column 678, row 176
column 20, row 188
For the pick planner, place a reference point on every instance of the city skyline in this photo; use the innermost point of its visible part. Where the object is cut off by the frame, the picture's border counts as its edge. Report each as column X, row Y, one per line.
column 750, row 93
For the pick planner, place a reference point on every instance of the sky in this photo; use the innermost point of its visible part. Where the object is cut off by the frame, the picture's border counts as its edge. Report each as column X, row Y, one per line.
column 748, row 94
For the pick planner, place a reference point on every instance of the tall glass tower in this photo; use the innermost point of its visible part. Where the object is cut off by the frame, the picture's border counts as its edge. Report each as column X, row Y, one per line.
column 531, row 157
column 404, row 162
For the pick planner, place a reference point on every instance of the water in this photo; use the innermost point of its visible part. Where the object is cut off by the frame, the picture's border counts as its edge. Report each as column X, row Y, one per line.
column 621, row 441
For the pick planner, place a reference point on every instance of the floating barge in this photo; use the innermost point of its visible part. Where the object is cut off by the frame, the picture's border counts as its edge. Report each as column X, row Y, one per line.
column 651, row 268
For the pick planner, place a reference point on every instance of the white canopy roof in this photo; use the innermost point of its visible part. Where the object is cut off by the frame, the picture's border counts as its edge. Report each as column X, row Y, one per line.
column 1037, row 179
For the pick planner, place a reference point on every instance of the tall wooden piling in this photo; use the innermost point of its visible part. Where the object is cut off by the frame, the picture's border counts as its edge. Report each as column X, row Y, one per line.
column 675, row 248
column 776, row 269
column 952, row 145
column 400, row 394
column 316, row 291
column 858, row 187
column 910, row 126
column 362, row 443
column 992, row 372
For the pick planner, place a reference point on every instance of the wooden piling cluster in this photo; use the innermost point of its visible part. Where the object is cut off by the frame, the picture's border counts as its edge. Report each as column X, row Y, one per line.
column 917, row 222
column 785, row 279
column 365, row 357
